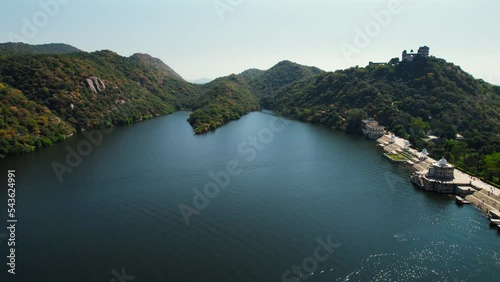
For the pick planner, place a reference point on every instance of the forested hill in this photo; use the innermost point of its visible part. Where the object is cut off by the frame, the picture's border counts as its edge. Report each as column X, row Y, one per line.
column 264, row 84
column 49, row 91
column 21, row 48
column 227, row 98
column 26, row 125
column 412, row 99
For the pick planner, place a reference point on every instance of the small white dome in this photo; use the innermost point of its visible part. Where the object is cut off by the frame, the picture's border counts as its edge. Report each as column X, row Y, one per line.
column 407, row 144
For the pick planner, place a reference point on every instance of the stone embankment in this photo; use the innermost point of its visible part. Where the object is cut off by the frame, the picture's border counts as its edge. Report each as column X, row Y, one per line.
column 480, row 194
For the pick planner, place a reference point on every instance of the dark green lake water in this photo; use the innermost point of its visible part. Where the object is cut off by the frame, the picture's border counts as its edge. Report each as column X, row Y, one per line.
column 120, row 209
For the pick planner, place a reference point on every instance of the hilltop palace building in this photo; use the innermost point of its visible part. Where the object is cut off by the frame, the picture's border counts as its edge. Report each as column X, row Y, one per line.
column 422, row 51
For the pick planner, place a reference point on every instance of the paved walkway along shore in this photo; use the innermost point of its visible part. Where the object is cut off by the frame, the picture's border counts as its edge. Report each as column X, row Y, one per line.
column 487, row 197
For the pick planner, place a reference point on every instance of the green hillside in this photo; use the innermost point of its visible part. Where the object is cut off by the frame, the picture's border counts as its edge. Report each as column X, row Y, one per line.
column 100, row 89
column 251, row 73
column 50, row 91
column 23, row 49
column 263, row 84
column 60, row 83
column 226, row 99
column 412, row 99
column 25, row 125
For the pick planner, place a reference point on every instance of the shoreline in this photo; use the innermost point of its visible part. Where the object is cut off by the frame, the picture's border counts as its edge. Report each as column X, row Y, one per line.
column 482, row 195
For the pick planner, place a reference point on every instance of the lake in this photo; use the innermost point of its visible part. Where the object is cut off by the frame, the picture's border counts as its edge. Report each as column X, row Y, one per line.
column 260, row 199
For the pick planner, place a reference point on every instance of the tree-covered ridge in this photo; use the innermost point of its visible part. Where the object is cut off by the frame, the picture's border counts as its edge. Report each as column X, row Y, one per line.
column 263, row 84
column 23, row 49
column 83, row 90
column 147, row 61
column 251, row 73
column 60, row 83
column 25, row 125
column 100, row 89
column 156, row 77
column 226, row 99
column 229, row 98
column 412, row 99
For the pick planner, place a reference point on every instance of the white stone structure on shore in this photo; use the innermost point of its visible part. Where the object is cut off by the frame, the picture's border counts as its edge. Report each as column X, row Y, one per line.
column 372, row 129
column 442, row 177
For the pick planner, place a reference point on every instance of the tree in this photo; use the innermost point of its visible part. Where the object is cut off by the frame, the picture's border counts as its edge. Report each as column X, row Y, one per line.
column 492, row 164
column 354, row 120
column 394, row 61
column 419, row 127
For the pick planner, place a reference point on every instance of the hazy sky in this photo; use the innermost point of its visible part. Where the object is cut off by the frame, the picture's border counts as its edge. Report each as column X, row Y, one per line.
column 208, row 39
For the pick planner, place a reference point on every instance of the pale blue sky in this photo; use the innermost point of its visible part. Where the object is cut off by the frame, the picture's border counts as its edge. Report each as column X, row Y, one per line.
column 198, row 42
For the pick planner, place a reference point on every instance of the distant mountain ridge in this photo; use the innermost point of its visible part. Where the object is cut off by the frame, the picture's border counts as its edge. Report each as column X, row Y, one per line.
column 265, row 83
column 251, row 73
column 47, row 49
column 201, row 81
column 285, row 72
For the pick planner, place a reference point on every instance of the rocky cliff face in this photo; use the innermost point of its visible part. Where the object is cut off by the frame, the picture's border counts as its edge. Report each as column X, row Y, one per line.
column 96, row 84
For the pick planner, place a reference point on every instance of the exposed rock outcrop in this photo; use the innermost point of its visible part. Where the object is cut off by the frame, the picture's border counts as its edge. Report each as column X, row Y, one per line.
column 96, row 84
